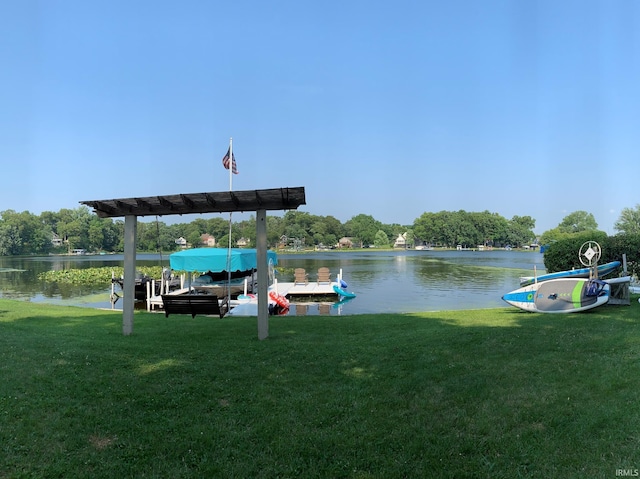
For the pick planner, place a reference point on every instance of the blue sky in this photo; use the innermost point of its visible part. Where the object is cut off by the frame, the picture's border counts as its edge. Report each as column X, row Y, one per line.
column 389, row 109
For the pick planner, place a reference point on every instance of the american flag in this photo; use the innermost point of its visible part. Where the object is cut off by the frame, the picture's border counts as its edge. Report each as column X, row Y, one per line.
column 225, row 161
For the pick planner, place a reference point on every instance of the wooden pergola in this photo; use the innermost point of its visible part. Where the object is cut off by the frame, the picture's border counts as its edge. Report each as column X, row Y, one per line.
column 222, row 202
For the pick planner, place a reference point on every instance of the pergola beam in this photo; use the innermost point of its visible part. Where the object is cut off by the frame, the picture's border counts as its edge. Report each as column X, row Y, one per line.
column 165, row 203
column 144, row 204
column 234, row 199
column 123, row 206
column 187, row 201
column 210, row 200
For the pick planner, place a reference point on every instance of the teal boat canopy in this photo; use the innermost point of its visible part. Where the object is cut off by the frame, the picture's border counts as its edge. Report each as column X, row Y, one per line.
column 216, row 259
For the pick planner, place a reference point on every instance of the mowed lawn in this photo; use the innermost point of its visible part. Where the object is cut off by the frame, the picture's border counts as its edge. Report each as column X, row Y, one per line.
column 494, row 393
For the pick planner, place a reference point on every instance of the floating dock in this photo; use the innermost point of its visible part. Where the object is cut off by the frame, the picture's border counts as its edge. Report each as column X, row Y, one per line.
column 304, row 289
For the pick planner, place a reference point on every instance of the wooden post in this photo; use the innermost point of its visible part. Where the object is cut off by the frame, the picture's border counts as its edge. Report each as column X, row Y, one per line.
column 263, row 274
column 129, row 287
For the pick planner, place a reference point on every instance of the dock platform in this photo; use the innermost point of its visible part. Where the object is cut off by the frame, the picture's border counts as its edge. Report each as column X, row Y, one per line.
column 304, row 289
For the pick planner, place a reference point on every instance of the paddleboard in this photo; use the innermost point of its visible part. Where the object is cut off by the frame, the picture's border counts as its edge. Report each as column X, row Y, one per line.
column 603, row 270
column 563, row 295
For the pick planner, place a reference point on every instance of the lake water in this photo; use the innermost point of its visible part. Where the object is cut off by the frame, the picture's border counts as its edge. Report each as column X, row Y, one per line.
column 384, row 281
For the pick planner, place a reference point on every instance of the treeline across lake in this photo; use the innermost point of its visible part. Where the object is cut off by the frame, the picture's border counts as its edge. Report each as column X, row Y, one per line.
column 70, row 229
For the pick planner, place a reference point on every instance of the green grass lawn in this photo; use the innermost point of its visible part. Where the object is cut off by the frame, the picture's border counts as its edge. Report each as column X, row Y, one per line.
column 484, row 393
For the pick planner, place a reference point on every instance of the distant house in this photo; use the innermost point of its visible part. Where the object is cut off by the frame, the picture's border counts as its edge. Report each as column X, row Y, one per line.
column 208, row 240
column 243, row 242
column 56, row 240
column 181, row 242
column 345, row 242
column 401, row 241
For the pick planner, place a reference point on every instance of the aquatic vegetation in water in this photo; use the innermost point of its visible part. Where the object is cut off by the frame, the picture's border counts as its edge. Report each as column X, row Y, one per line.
column 95, row 275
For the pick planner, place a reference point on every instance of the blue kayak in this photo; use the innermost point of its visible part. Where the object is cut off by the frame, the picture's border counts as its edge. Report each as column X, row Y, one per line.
column 603, row 270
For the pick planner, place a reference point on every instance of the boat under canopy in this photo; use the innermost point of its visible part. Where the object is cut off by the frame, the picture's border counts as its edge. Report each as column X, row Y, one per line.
column 202, row 260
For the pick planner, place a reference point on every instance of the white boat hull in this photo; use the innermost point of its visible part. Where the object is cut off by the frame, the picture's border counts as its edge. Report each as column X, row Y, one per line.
column 564, row 295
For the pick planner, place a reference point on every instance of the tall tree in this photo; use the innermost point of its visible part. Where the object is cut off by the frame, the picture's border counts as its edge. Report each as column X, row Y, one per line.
column 247, row 229
column 10, row 243
column 629, row 221
column 577, row 222
column 334, row 230
column 34, row 236
column 520, row 231
column 381, row 240
column 73, row 225
column 363, row 228
column 275, row 229
column 425, row 228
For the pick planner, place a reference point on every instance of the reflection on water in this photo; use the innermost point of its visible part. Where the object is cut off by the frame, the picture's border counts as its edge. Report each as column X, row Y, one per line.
column 19, row 278
column 396, row 281
column 412, row 281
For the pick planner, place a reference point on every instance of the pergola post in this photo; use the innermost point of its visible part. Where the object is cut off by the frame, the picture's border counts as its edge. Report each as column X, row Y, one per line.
column 263, row 274
column 129, row 286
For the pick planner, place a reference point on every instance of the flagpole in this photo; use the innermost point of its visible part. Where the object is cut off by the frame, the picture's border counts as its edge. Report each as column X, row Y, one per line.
column 230, row 163
column 230, row 213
